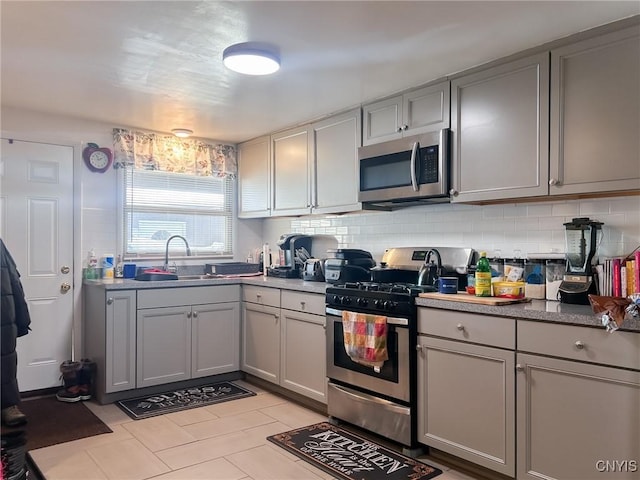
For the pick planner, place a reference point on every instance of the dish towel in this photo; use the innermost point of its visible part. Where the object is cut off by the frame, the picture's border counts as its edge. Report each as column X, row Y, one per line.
column 365, row 338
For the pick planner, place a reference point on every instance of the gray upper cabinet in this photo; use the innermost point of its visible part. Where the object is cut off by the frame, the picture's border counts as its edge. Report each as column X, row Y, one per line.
column 595, row 114
column 423, row 110
column 291, row 171
column 253, row 178
column 336, row 141
column 500, row 124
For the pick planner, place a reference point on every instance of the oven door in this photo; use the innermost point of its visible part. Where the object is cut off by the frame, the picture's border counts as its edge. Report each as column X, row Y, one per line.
column 390, row 380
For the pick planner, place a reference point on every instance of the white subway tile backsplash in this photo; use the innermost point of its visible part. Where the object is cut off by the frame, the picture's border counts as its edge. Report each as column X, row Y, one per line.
column 568, row 208
column 530, row 227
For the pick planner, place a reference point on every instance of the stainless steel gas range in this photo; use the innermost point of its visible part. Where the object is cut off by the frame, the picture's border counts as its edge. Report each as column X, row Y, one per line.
column 380, row 399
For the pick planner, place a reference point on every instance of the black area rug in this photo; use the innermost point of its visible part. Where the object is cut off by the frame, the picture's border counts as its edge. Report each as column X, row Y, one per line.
column 348, row 456
column 50, row 422
column 176, row 400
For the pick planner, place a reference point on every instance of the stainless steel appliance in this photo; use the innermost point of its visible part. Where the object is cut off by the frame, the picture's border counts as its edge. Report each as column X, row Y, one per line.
column 348, row 265
column 582, row 241
column 296, row 249
column 407, row 171
column 381, row 400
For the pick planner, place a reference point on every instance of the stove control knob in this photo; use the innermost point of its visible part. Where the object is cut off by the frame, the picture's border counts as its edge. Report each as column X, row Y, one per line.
column 362, row 302
column 378, row 304
column 392, row 306
column 346, row 300
column 335, row 299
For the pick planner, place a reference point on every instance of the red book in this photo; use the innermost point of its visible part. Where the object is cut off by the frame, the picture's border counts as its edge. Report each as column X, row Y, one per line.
column 617, row 278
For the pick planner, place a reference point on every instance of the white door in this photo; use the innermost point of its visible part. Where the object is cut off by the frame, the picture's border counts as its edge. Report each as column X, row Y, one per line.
column 37, row 227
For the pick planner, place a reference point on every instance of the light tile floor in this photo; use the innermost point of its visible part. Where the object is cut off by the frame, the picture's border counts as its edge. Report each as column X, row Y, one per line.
column 226, row 441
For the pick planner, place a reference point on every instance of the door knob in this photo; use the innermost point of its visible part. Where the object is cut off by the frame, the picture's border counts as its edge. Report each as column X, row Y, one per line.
column 65, row 287
column 519, row 367
column 65, row 269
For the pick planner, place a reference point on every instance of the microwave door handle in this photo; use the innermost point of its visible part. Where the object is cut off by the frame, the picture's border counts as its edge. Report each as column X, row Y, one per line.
column 414, row 155
column 443, row 151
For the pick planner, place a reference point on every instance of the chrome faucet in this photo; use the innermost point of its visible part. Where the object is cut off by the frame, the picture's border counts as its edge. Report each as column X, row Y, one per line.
column 166, row 250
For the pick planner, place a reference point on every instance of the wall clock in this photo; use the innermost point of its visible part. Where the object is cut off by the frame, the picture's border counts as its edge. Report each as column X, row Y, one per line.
column 97, row 159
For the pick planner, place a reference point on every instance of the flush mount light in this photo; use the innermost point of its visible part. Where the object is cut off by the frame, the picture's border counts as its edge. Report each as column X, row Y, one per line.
column 182, row 132
column 251, row 58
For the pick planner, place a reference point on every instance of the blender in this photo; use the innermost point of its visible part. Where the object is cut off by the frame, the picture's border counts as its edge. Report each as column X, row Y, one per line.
column 581, row 243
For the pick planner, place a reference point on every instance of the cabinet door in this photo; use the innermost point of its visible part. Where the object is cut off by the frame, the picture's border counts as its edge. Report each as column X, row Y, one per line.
column 500, row 125
column 595, row 114
column 120, row 341
column 215, row 339
column 466, row 402
column 164, row 345
column 254, row 159
column 303, row 354
column 575, row 420
column 290, row 172
column 426, row 109
column 382, row 121
column 261, row 341
column 337, row 176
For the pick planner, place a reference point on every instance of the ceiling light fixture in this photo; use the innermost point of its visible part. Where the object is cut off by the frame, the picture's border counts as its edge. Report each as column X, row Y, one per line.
column 182, row 132
column 251, row 58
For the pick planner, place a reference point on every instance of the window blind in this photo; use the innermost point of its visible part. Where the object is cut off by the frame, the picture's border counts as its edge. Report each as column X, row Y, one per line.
column 159, row 204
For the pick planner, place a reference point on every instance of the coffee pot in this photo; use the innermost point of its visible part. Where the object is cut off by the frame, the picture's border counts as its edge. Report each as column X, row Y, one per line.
column 431, row 270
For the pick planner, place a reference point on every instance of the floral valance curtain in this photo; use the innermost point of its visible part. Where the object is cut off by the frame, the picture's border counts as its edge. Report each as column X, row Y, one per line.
column 154, row 151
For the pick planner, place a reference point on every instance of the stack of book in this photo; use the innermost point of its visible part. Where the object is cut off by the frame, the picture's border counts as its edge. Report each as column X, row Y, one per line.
column 619, row 276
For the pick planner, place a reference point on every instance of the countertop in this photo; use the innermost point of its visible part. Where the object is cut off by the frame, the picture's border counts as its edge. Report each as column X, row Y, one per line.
column 541, row 310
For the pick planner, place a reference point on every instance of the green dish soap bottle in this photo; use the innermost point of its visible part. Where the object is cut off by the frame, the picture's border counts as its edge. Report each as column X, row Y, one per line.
column 483, row 276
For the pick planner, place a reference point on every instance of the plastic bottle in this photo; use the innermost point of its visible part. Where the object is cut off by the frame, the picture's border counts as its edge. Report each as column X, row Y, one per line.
column 265, row 258
column 119, row 272
column 92, row 263
column 107, row 266
column 483, row 276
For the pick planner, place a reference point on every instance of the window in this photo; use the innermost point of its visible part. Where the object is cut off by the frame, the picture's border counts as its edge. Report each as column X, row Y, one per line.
column 165, row 193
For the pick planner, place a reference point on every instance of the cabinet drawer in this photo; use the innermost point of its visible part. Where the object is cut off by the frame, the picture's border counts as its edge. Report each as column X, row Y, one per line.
column 586, row 344
column 468, row 327
column 303, row 302
column 261, row 295
column 174, row 297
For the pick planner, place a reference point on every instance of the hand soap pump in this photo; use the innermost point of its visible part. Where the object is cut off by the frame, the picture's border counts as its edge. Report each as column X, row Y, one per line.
column 581, row 244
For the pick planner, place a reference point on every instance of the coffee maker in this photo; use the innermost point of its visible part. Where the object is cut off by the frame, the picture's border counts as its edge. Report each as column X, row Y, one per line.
column 296, row 249
column 581, row 244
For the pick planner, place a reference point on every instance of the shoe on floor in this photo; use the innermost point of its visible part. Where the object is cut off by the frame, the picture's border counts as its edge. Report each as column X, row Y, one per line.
column 12, row 416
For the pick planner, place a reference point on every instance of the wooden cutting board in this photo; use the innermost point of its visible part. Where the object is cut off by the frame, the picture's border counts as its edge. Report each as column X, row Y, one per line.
column 466, row 298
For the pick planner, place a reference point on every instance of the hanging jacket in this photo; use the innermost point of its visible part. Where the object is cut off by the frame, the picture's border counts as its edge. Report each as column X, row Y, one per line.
column 14, row 306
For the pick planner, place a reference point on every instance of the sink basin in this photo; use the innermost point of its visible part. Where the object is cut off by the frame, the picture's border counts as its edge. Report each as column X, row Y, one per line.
column 194, row 277
column 155, row 276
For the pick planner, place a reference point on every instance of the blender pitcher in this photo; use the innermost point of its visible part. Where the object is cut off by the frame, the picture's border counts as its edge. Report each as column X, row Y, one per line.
column 581, row 243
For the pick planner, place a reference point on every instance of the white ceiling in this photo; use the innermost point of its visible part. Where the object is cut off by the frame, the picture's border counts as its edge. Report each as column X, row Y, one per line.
column 157, row 64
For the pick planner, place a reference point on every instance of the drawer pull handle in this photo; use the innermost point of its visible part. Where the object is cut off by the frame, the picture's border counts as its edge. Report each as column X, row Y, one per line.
column 579, row 345
column 302, row 305
column 195, row 314
column 460, row 327
column 519, row 367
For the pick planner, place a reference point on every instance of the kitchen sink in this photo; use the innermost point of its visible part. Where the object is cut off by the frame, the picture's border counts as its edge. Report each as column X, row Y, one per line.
column 195, row 277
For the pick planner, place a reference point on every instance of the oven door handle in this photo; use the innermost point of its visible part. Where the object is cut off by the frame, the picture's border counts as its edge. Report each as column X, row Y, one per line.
column 403, row 322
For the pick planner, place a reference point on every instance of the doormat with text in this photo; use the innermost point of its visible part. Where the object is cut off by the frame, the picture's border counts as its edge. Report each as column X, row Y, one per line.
column 348, row 456
column 176, row 400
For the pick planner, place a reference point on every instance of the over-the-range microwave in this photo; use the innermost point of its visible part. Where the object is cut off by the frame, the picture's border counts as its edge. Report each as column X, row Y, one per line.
column 407, row 171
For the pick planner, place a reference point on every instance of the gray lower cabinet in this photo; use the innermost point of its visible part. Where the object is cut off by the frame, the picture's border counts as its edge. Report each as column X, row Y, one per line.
column 577, row 420
column 303, row 344
column 595, row 114
column 185, row 333
column 500, row 127
column 466, row 398
column 283, row 339
column 110, row 338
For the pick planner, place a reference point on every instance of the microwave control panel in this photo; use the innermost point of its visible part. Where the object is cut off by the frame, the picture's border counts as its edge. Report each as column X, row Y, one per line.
column 429, row 165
